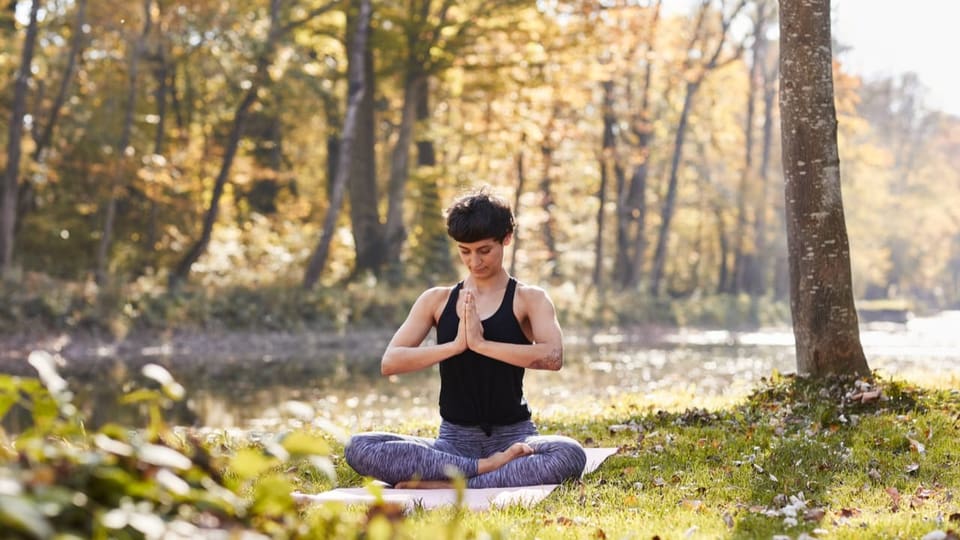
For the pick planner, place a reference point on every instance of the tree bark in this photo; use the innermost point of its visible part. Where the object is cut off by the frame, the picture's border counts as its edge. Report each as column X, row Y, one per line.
column 8, row 203
column 821, row 297
column 358, row 88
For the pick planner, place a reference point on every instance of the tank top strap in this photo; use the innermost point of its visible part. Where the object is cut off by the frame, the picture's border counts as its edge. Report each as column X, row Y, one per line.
column 508, row 296
column 452, row 299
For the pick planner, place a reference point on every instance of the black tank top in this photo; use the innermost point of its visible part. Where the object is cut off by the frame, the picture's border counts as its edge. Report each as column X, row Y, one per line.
column 476, row 390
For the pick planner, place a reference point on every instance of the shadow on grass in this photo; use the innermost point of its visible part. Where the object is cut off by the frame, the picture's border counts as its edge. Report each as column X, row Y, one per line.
column 819, row 443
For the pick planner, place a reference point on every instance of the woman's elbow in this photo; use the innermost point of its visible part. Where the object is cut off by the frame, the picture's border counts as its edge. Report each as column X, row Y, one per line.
column 387, row 366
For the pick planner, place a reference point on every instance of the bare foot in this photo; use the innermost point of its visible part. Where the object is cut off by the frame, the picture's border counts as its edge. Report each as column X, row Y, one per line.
column 495, row 461
column 423, row 484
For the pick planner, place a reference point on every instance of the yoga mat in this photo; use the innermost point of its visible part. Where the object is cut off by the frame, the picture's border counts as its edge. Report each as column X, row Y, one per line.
column 474, row 499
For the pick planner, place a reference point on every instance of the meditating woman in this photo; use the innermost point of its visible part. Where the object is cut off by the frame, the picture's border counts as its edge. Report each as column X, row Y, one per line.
column 490, row 328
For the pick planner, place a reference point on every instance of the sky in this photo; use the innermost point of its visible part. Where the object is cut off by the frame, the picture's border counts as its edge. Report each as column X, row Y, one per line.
column 891, row 37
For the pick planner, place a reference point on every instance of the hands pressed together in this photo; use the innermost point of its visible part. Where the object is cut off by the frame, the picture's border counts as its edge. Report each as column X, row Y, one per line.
column 470, row 331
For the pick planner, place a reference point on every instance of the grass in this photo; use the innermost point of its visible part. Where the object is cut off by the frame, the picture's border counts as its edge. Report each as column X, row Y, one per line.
column 794, row 458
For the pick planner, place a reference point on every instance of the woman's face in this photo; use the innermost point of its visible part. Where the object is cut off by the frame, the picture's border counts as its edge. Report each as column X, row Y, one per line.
column 483, row 258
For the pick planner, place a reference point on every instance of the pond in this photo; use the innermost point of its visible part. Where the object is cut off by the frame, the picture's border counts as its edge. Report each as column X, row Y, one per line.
column 343, row 385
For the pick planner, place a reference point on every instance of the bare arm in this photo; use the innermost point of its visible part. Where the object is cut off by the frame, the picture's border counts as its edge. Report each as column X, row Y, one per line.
column 404, row 353
column 546, row 352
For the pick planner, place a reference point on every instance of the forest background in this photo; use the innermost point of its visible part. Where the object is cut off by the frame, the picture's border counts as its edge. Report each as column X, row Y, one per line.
column 171, row 164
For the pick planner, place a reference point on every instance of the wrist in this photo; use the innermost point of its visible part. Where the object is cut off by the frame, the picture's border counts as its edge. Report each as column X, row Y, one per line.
column 479, row 346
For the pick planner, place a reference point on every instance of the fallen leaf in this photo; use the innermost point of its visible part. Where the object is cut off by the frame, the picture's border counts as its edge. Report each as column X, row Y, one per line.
column 895, row 498
column 954, row 517
column 814, row 514
column 912, row 468
column 917, row 446
column 728, row 520
column 849, row 512
column 874, row 475
column 658, row 481
column 692, row 504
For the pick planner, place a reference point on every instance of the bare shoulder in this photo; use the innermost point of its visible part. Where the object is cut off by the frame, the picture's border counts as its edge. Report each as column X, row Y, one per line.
column 532, row 297
column 432, row 300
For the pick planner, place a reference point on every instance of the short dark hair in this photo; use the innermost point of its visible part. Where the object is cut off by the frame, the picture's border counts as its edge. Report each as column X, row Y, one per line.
column 478, row 216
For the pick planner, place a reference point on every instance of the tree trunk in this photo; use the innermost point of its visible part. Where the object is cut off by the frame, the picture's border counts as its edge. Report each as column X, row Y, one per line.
column 362, row 184
column 182, row 269
column 607, row 157
column 821, row 297
column 660, row 253
column 632, row 211
column 763, row 201
column 744, row 255
column 669, row 204
column 8, row 203
column 395, row 233
column 122, row 157
column 521, row 179
column 162, row 75
column 358, row 87
column 546, row 202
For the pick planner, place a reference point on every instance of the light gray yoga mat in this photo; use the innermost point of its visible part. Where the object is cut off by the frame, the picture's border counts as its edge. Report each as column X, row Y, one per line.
column 474, row 499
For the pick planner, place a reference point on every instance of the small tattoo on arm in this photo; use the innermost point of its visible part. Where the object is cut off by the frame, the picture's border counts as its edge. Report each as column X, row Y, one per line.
column 552, row 361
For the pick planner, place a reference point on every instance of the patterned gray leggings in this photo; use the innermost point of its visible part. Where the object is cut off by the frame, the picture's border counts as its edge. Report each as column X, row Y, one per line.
column 395, row 458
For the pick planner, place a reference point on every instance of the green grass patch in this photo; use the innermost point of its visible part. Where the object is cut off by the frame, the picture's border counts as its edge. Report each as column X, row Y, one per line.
column 836, row 459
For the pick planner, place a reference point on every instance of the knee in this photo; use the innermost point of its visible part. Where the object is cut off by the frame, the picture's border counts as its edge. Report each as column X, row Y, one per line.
column 353, row 452
column 576, row 457
column 568, row 458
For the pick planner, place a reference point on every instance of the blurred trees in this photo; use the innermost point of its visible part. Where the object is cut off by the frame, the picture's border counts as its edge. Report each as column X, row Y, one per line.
column 163, row 141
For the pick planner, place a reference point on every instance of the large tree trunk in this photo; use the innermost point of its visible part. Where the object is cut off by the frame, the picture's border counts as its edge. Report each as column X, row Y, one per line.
column 821, row 297
column 358, row 87
column 8, row 202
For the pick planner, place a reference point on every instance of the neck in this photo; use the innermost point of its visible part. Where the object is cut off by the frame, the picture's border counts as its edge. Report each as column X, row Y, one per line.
column 494, row 283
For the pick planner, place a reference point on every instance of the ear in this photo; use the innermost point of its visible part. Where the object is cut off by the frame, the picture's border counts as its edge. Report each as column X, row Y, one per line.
column 507, row 239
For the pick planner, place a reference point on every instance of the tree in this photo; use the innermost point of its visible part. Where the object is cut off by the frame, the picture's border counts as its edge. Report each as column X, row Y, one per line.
column 8, row 197
column 696, row 74
column 357, row 87
column 821, row 295
column 259, row 79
